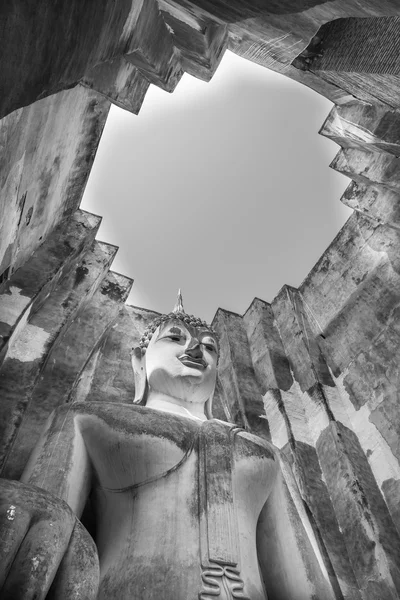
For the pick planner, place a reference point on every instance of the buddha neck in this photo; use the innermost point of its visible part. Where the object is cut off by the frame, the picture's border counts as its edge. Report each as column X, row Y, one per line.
column 177, row 406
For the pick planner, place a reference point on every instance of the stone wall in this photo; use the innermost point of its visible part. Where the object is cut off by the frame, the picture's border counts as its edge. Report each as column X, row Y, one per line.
column 316, row 371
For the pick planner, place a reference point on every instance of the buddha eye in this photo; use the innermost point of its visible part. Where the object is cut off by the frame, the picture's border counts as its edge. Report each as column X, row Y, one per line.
column 209, row 347
column 175, row 338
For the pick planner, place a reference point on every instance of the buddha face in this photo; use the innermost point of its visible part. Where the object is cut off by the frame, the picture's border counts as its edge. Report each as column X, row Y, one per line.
column 181, row 361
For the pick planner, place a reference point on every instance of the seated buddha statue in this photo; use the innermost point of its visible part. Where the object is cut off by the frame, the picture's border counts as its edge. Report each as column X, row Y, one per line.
column 175, row 495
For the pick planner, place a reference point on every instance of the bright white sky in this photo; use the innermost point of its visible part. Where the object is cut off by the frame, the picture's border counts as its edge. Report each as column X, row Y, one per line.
column 222, row 189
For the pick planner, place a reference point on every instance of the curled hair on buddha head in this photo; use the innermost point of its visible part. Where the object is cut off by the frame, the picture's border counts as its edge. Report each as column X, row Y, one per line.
column 138, row 353
column 177, row 313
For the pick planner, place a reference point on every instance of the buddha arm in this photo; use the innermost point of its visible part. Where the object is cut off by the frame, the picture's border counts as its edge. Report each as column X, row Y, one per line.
column 59, row 463
column 42, row 542
column 289, row 557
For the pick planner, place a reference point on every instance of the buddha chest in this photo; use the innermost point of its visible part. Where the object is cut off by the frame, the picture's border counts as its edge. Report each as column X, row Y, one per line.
column 177, row 504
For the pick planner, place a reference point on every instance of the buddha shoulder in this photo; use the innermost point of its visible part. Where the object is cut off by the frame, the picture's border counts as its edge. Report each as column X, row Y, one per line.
column 128, row 444
column 126, row 419
column 247, row 444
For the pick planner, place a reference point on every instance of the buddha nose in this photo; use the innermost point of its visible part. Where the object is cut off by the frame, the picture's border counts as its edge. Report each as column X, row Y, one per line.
column 194, row 348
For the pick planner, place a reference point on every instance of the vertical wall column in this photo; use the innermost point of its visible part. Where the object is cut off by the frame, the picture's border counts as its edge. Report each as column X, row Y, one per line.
column 28, row 354
column 294, row 381
column 241, row 393
column 331, row 468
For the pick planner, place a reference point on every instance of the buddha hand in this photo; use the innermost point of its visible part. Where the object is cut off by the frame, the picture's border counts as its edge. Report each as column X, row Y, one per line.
column 44, row 549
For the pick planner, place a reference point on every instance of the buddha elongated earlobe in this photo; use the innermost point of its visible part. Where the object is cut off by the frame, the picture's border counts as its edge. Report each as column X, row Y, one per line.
column 139, row 372
column 208, row 407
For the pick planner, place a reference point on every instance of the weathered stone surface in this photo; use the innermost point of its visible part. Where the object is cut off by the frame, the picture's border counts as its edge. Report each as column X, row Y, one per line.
column 371, row 540
column 30, row 285
column 312, row 485
column 302, row 350
column 220, row 407
column 255, row 51
column 65, row 363
column 359, row 419
column 34, row 521
column 300, row 415
column 366, row 126
column 270, row 362
column 224, row 476
column 27, row 356
column 55, row 45
column 375, row 202
column 391, row 491
column 236, row 374
column 54, row 49
column 278, row 421
column 374, row 375
column 385, row 418
column 109, row 377
column 49, row 148
column 354, row 58
column 385, row 87
column 345, row 265
column 303, row 578
column 369, row 167
column 366, row 315
column 200, row 41
column 345, row 316
column 236, row 11
column 119, row 81
column 151, row 48
column 350, row 45
column 275, row 39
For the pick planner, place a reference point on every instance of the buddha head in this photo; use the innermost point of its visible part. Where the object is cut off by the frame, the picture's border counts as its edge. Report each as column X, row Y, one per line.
column 177, row 358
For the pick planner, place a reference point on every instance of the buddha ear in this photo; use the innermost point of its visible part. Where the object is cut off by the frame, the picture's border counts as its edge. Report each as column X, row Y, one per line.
column 140, row 376
column 208, row 407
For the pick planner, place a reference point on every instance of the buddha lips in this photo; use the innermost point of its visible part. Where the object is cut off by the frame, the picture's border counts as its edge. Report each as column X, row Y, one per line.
column 196, row 363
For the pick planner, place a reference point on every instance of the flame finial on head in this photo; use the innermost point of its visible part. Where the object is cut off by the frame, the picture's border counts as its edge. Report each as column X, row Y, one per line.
column 178, row 308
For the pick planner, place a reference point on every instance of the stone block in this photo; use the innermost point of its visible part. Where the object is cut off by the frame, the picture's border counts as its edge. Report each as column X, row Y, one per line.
column 119, row 81
column 369, row 167
column 364, row 126
column 375, row 202
column 151, row 49
column 201, row 41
